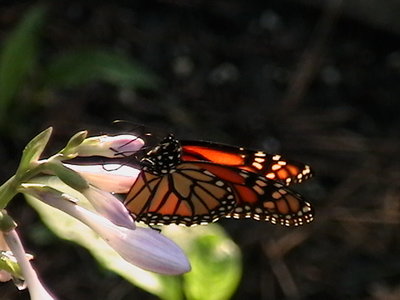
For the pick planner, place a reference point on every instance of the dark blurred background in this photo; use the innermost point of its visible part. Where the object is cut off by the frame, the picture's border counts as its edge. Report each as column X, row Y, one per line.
column 315, row 80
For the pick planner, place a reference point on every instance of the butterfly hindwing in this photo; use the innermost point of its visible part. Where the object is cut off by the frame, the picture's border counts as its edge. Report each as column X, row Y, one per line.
column 262, row 199
column 189, row 195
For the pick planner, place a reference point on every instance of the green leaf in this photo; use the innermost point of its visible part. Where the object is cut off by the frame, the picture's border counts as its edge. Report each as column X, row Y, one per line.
column 69, row 228
column 18, row 56
column 34, row 149
column 83, row 66
column 215, row 260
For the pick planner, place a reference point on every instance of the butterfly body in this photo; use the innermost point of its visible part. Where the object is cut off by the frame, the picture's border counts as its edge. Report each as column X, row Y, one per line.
column 179, row 184
column 164, row 158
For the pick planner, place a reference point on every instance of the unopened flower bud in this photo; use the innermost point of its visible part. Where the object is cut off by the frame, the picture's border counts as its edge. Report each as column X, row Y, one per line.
column 110, row 146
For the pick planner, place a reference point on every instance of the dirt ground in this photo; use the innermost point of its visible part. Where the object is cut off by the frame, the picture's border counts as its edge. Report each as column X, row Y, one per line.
column 312, row 82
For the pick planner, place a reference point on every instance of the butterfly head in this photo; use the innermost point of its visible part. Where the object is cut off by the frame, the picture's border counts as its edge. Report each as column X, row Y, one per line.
column 164, row 157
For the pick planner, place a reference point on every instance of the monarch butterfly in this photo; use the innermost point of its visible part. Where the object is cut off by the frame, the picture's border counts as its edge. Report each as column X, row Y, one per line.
column 185, row 184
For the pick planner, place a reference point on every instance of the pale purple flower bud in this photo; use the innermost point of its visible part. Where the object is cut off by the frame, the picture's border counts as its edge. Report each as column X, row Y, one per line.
column 113, row 178
column 142, row 247
column 110, row 146
column 109, row 206
column 36, row 289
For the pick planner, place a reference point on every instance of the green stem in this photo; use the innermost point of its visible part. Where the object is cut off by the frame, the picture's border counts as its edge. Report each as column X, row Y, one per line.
column 7, row 191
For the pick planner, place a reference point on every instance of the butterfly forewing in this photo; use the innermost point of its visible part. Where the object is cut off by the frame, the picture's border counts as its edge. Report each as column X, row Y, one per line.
column 274, row 167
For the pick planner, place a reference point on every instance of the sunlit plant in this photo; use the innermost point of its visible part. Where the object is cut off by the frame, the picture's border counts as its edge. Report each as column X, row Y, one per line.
column 79, row 203
column 143, row 247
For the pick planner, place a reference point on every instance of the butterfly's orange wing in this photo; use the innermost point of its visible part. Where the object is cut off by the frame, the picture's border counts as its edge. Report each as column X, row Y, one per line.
column 262, row 199
column 274, row 167
column 190, row 195
column 196, row 184
column 202, row 192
